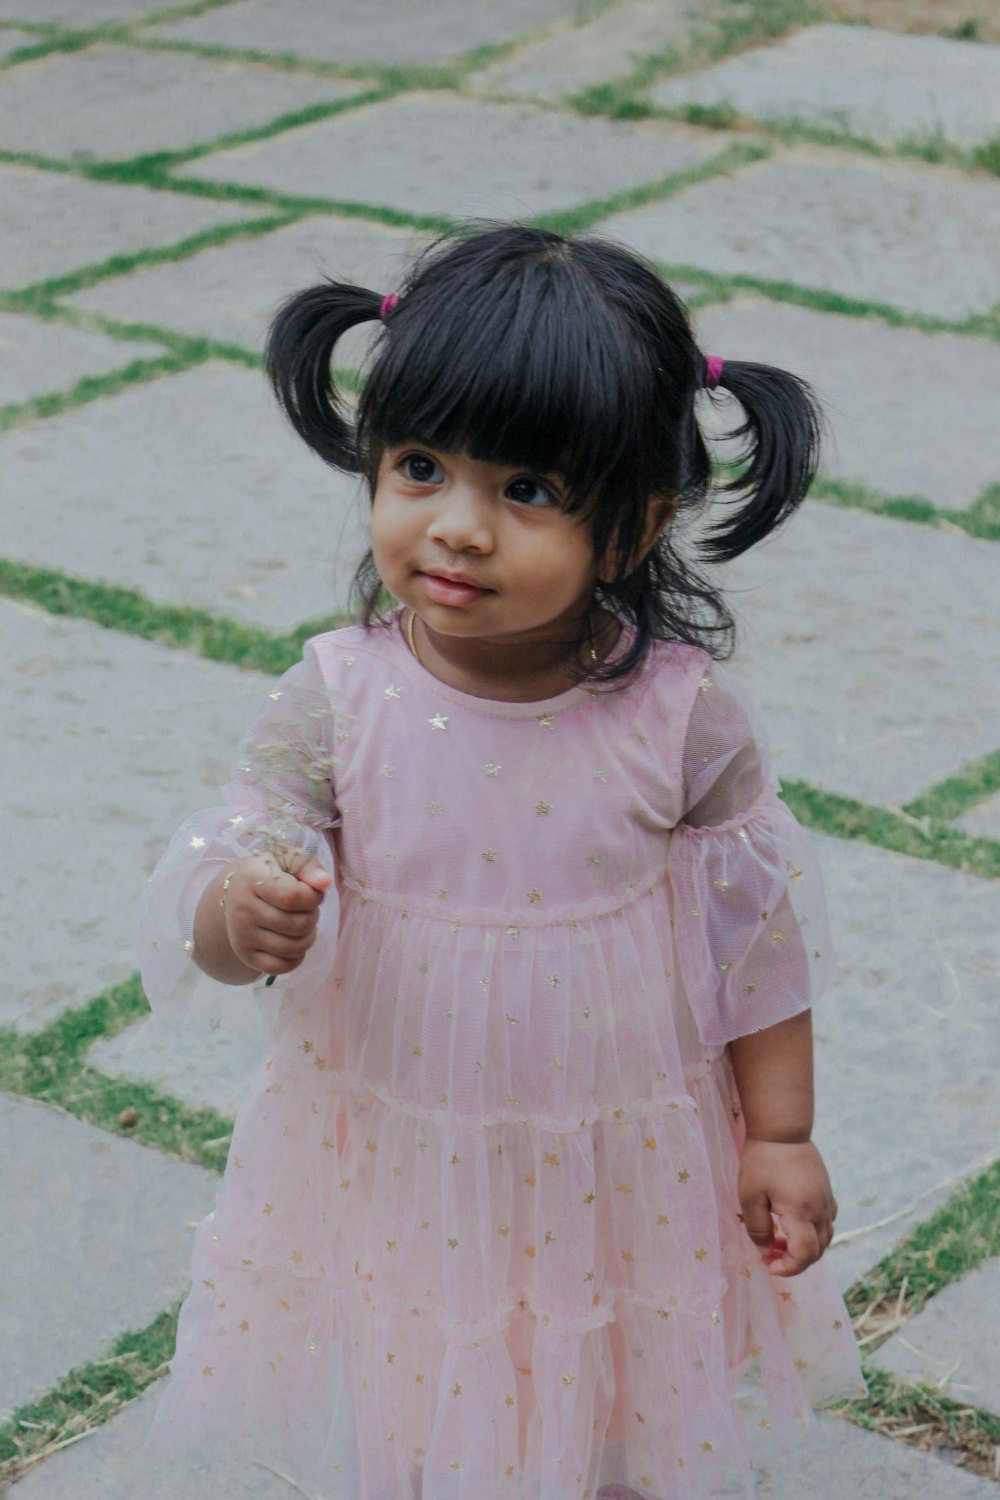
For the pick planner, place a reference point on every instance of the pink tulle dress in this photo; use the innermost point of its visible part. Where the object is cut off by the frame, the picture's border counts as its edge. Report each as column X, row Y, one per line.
column 478, row 1237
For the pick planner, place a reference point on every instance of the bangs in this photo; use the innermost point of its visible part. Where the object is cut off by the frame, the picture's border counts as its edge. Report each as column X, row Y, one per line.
column 524, row 366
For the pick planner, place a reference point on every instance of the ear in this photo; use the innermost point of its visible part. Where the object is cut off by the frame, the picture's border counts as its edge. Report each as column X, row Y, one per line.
column 659, row 513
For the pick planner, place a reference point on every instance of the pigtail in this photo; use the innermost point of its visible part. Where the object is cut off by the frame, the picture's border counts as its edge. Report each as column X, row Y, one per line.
column 781, row 434
column 298, row 356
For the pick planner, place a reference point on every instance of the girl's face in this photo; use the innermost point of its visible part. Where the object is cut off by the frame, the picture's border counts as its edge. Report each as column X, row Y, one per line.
column 483, row 553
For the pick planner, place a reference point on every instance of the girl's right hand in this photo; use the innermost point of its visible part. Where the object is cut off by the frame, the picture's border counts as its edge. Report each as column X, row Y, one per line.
column 272, row 910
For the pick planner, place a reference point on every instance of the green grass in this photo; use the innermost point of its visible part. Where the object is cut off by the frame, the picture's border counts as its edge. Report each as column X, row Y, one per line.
column 51, row 1067
column 183, row 629
column 85, row 1398
column 847, row 818
column 90, row 388
column 981, row 519
column 973, row 783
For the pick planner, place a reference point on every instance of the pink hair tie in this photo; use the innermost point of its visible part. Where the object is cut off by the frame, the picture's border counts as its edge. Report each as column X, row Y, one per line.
column 713, row 371
column 389, row 304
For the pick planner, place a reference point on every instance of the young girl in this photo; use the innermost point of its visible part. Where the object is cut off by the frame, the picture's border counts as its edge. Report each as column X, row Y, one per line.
column 526, row 1182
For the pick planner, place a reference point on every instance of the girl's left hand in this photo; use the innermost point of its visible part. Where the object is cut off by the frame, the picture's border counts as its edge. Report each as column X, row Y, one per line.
column 787, row 1202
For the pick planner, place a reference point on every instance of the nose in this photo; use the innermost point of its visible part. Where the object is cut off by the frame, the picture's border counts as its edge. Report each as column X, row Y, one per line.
column 462, row 520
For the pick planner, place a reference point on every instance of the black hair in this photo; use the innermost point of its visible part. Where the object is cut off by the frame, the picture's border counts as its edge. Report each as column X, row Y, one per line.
column 519, row 346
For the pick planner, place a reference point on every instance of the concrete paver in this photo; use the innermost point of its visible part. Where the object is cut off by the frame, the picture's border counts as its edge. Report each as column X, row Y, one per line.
column 908, row 413
column 37, row 356
column 53, row 223
column 121, row 1254
column 905, row 1045
column 596, row 49
column 90, row 499
column 396, row 31
column 461, row 157
column 101, row 764
column 861, row 81
column 984, row 820
column 915, row 237
column 231, row 292
column 76, row 13
column 865, row 689
column 11, row 41
column 58, row 105
column 951, row 1343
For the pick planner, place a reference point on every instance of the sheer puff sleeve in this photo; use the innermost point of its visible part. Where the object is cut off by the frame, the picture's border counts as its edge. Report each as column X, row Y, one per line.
column 753, row 946
column 280, row 797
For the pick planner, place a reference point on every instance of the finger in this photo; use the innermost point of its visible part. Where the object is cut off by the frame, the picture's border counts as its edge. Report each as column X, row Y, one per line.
column 288, row 893
column 801, row 1249
column 757, row 1220
column 304, row 867
column 293, row 924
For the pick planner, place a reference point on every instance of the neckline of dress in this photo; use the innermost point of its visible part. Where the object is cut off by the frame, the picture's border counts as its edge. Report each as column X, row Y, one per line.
column 497, row 707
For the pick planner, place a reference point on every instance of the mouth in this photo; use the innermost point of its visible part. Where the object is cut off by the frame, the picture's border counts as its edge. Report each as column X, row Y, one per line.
column 452, row 588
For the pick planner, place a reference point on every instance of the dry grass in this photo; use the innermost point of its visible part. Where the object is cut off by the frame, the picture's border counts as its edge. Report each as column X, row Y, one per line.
column 976, row 20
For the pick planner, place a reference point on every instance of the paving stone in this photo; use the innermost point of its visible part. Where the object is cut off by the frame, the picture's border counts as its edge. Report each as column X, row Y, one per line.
column 952, row 1343
column 461, row 157
column 114, row 741
column 873, row 648
column 231, row 292
column 36, row 357
column 111, row 1465
column 53, row 223
column 859, row 80
column 10, row 41
column 908, row 413
column 595, row 50
column 258, row 528
column 82, row 13
column 916, row 237
column 164, row 101
column 833, row 1457
column 100, row 1243
column 982, row 821
column 906, row 1043
column 394, row 31
column 198, row 1067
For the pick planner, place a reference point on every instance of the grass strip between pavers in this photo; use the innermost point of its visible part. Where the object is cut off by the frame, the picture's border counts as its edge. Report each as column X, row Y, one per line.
column 961, row 1235
column 971, row 784
column 90, row 388
column 51, row 1067
column 981, row 519
column 177, row 626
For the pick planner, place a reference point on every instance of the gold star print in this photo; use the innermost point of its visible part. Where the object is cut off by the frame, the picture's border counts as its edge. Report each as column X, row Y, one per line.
column 716, row 1318
column 640, row 1418
column 569, row 1380
column 269, row 1208
column 588, row 1275
column 802, row 1364
column 545, row 721
column 593, row 859
column 529, row 1181
column 751, row 989
column 210, row 1285
column 504, row 1230
column 543, row 809
column 683, row 1175
column 454, row 1158
column 513, row 932
column 297, row 1257
column 534, row 898
column 786, row 1296
column 837, row 1325
column 188, row 946
column 700, row 1254
column 624, row 1187
column 645, row 1480
column 490, row 856
column 777, row 937
column 816, row 953
column 627, row 1256
column 197, row 842
column 425, row 1223
column 550, row 1238
column 244, row 1326
column 746, row 1273
column 511, row 1020
column 707, row 1447
column 554, row 981
column 435, row 809
column 390, row 1244
column 439, row 721
column 208, row 1370
column 508, row 1400
column 345, row 1182
column 452, row 1244
column 588, row 1197
column 662, row 1219
column 764, row 1423
column 509, row 1471
column 529, row 1251
column 387, row 771
column 724, row 968
column 492, row 768
column 649, row 1141
column 456, row 1389
column 754, row 1351
column 392, row 691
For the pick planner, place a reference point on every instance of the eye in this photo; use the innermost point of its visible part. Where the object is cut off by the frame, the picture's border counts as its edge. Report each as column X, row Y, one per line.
column 420, row 468
column 532, row 492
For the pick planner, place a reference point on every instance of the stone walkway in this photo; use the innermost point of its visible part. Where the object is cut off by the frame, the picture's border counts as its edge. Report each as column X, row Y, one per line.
column 169, row 176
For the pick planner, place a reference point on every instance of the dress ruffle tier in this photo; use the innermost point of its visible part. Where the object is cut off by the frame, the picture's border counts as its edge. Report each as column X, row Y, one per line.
column 479, row 1228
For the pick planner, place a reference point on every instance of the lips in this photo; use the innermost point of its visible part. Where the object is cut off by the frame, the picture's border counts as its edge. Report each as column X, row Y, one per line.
column 452, row 588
